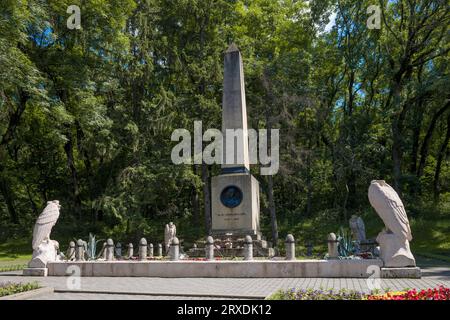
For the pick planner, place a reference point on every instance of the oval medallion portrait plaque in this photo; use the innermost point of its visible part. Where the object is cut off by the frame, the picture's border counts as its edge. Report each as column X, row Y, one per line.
column 231, row 196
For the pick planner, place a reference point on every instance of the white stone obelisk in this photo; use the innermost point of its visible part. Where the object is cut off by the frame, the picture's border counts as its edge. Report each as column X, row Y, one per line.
column 234, row 113
column 235, row 192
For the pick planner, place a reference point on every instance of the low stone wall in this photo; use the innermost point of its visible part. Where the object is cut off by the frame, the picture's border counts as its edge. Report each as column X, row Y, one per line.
column 220, row 269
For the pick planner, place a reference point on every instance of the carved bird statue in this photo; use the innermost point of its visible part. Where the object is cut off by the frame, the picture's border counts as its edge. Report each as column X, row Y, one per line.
column 386, row 202
column 45, row 222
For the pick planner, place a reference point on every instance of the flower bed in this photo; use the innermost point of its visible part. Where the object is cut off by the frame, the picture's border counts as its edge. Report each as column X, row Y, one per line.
column 439, row 293
column 9, row 288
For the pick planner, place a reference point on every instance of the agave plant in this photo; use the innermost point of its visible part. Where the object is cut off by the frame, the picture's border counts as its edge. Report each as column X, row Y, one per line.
column 345, row 243
column 92, row 247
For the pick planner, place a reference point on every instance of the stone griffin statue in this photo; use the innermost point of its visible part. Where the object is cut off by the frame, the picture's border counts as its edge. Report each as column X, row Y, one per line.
column 358, row 228
column 169, row 233
column 45, row 249
column 394, row 239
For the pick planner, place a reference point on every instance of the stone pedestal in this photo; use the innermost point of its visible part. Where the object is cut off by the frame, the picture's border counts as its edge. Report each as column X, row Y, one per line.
column 143, row 249
column 405, row 272
column 235, row 205
column 35, row 272
column 109, row 250
column 45, row 252
column 290, row 247
column 209, row 248
column 248, row 248
column 174, row 249
column 150, row 250
column 332, row 246
column 395, row 252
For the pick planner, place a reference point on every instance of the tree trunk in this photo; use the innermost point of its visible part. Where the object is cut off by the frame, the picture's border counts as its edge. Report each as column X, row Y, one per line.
column 195, row 201
column 13, row 123
column 5, row 190
column 206, row 197
column 68, row 148
column 427, row 139
column 30, row 198
column 308, row 184
column 88, row 166
column 396, row 156
column 441, row 155
column 417, row 126
column 273, row 215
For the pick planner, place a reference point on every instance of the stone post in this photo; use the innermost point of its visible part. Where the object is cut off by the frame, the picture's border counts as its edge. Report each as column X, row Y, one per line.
column 332, row 246
column 290, row 247
column 130, row 251
column 109, row 250
column 119, row 250
column 150, row 250
column 175, row 249
column 143, row 249
column 209, row 248
column 248, row 248
column 72, row 251
column 79, row 254
column 103, row 252
column 159, row 252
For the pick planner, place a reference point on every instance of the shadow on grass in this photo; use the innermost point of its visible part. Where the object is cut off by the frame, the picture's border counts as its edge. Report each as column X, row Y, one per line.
column 15, row 250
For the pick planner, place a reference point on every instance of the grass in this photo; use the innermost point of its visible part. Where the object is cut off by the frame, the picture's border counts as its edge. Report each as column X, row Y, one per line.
column 433, row 256
column 9, row 288
column 431, row 237
column 14, row 255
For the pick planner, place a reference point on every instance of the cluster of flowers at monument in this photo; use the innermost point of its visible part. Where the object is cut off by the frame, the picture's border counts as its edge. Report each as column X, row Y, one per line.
column 202, row 259
column 317, row 294
column 439, row 293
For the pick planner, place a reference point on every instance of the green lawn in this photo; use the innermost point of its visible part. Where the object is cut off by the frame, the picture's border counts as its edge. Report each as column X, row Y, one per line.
column 431, row 238
column 14, row 253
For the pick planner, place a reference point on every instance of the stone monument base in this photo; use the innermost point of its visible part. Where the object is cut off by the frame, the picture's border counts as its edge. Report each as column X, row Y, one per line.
column 35, row 272
column 411, row 272
column 242, row 218
column 395, row 252
column 220, row 269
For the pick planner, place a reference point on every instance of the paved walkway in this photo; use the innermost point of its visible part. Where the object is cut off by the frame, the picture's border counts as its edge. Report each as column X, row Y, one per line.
column 122, row 288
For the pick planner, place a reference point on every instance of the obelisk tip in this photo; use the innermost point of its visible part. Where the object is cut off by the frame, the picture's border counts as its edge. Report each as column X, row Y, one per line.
column 232, row 48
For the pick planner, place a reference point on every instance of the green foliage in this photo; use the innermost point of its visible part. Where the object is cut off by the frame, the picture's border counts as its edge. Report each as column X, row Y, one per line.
column 346, row 246
column 86, row 115
column 92, row 247
column 15, row 267
column 8, row 288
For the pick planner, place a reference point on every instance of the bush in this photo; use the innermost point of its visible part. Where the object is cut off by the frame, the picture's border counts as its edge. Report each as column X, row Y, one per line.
column 9, row 288
column 12, row 267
